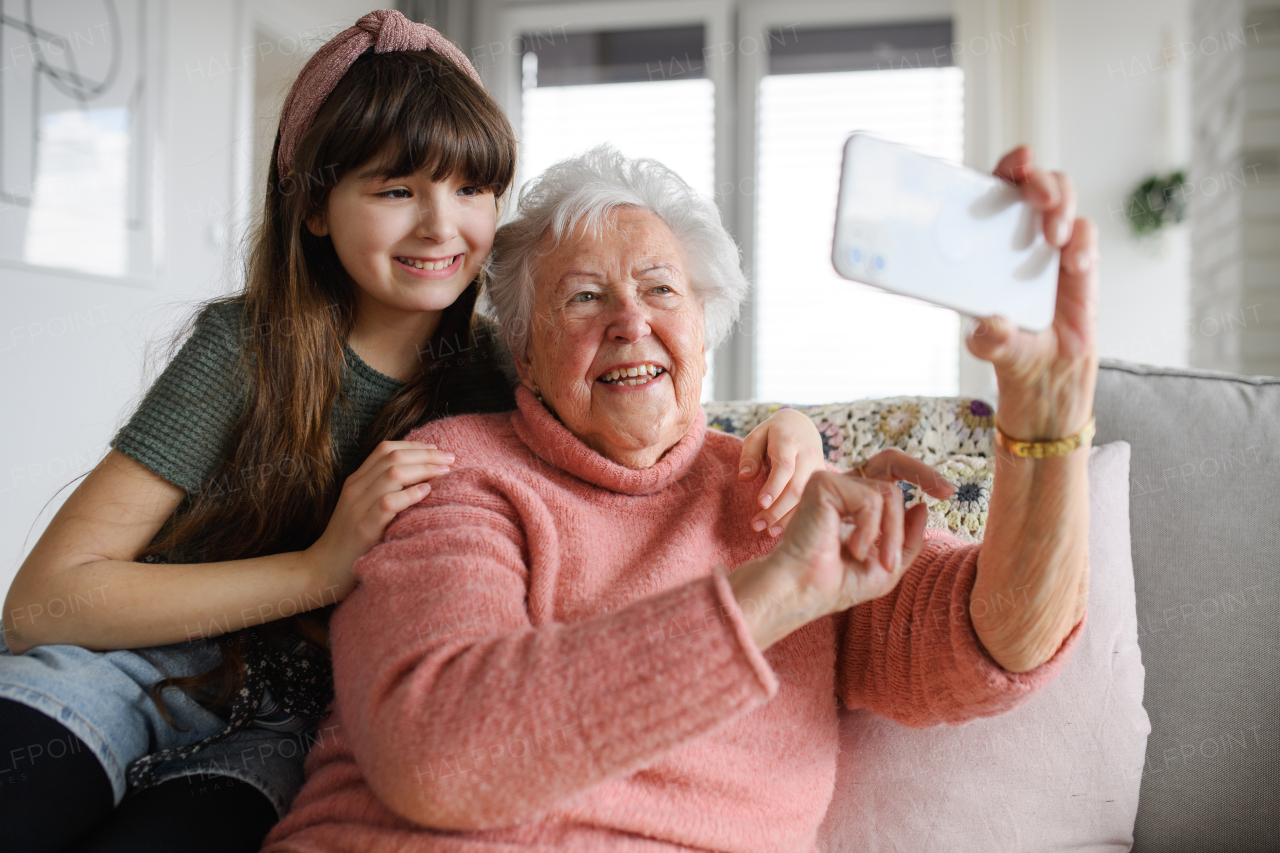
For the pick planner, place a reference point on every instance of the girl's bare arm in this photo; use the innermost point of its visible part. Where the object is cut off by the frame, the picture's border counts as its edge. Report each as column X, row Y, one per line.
column 80, row 584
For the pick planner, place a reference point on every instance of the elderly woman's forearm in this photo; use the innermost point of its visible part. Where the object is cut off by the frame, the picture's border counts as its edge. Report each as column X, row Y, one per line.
column 1033, row 570
column 510, row 724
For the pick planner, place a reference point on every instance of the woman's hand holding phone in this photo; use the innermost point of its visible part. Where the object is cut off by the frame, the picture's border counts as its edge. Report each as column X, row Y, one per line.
column 1047, row 378
column 1038, row 527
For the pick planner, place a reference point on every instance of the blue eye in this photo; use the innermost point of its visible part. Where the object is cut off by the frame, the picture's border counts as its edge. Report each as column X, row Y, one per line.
column 663, row 287
column 583, row 297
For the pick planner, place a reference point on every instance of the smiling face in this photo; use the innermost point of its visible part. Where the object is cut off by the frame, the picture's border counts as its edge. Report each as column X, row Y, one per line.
column 615, row 343
column 410, row 244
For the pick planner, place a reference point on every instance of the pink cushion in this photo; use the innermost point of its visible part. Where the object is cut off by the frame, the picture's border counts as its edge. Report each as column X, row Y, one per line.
column 1058, row 773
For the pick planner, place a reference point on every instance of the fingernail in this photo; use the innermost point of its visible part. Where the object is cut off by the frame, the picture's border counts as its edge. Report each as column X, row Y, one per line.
column 776, row 530
column 765, row 500
column 759, row 524
column 1062, row 233
column 1083, row 261
column 746, row 468
column 449, row 457
column 896, row 556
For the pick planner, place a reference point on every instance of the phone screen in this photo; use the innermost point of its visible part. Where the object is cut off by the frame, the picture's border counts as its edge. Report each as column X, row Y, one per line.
column 921, row 227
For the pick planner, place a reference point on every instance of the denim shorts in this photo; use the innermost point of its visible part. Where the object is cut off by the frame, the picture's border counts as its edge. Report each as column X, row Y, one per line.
column 104, row 698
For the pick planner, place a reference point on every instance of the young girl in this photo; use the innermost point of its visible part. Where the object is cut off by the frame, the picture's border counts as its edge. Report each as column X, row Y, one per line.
column 264, row 461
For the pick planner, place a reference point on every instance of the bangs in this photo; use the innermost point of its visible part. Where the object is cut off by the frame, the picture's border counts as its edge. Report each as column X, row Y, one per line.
column 397, row 114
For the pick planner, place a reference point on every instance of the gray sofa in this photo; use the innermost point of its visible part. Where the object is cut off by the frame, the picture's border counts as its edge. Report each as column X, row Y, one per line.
column 1204, row 523
column 1205, row 527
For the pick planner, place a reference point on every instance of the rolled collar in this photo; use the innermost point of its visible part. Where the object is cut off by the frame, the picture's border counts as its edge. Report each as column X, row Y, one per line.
column 554, row 444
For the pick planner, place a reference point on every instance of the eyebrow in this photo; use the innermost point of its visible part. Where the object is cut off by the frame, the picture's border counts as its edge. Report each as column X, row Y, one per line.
column 567, row 274
column 376, row 172
column 597, row 276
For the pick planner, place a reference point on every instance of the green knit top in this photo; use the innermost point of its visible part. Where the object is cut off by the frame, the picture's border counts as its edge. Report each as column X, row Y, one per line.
column 182, row 428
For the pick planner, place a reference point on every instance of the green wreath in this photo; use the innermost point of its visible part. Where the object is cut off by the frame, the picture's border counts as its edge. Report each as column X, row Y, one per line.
column 1157, row 201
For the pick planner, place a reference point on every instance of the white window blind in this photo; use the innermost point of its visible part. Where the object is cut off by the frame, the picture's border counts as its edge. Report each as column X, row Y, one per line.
column 672, row 122
column 653, row 107
column 821, row 338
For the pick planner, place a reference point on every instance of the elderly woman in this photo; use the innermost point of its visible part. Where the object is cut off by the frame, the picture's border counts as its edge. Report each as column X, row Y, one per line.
column 570, row 643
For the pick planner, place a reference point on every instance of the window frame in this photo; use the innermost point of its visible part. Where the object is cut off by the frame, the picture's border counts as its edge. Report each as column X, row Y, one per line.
column 755, row 20
column 715, row 15
column 736, row 75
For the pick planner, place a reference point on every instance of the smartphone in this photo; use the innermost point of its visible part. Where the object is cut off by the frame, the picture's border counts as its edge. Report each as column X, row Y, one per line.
column 916, row 225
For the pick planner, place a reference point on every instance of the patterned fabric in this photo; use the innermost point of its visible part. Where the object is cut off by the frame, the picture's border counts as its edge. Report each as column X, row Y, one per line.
column 303, row 677
column 953, row 434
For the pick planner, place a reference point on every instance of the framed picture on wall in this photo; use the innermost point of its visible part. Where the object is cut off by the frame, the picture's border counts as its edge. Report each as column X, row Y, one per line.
column 80, row 146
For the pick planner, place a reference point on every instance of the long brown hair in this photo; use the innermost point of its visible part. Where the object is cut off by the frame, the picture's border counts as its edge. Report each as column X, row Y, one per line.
column 408, row 112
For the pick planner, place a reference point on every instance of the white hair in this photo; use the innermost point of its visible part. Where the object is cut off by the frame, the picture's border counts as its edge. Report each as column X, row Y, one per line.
column 585, row 189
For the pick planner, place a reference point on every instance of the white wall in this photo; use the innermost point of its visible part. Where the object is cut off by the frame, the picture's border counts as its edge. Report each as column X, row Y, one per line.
column 1123, row 115
column 71, row 349
column 1083, row 82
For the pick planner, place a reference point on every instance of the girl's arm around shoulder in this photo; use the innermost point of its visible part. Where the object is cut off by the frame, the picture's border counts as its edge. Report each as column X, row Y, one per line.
column 80, row 585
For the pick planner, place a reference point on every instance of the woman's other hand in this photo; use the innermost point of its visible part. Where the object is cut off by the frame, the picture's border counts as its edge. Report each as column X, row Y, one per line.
column 792, row 446
column 822, row 565
column 393, row 478
column 1047, row 378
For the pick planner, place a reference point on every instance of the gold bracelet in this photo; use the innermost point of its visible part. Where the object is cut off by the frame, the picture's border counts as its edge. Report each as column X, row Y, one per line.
column 1048, row 447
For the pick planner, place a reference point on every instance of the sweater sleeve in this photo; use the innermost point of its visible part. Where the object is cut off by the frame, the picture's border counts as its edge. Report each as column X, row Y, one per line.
column 463, row 715
column 913, row 655
column 182, row 426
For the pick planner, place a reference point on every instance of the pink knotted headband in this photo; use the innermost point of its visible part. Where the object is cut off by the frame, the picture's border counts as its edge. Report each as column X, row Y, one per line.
column 385, row 31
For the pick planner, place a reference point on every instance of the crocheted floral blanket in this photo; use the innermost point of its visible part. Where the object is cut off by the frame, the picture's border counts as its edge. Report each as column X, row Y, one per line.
column 953, row 434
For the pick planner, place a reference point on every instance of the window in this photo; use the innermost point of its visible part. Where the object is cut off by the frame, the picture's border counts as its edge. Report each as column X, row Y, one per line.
column 821, row 338
column 642, row 91
column 752, row 110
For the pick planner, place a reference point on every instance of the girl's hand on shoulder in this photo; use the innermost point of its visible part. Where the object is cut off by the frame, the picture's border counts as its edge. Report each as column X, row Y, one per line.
column 392, row 479
column 792, row 446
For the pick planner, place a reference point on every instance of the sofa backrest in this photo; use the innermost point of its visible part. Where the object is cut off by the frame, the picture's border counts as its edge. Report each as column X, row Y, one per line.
column 1204, row 510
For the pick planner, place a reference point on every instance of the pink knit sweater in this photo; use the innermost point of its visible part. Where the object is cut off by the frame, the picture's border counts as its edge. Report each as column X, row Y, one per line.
column 545, row 655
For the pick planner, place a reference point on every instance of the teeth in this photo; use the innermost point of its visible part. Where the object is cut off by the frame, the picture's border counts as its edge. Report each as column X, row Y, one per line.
column 632, row 375
column 429, row 265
